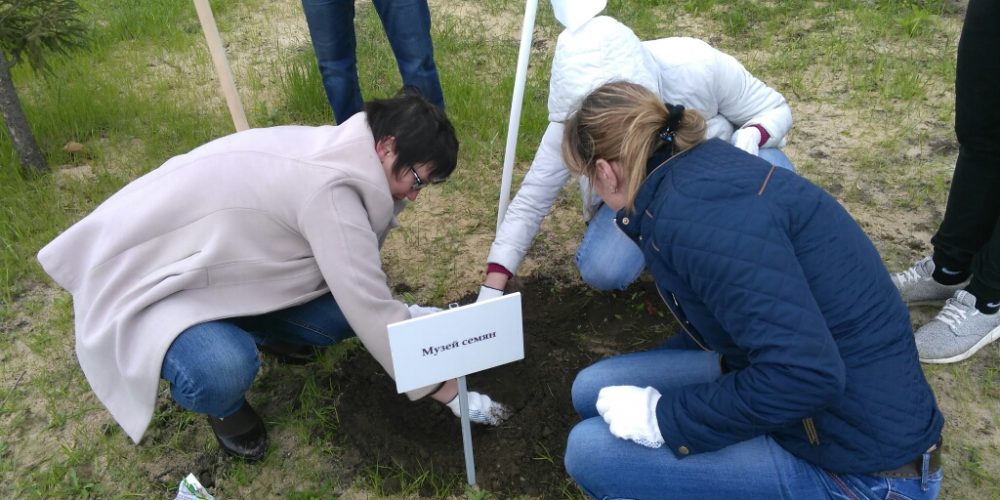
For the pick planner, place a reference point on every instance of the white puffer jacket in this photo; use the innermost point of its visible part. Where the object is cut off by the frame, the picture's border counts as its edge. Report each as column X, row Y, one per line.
column 681, row 70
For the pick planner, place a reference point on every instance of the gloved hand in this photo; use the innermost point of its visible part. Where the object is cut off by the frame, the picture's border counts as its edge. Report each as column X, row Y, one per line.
column 486, row 293
column 482, row 409
column 418, row 311
column 630, row 412
column 747, row 139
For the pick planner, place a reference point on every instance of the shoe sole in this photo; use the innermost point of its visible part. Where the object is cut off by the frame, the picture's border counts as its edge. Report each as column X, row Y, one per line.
column 246, row 458
column 931, row 302
column 936, row 302
column 983, row 342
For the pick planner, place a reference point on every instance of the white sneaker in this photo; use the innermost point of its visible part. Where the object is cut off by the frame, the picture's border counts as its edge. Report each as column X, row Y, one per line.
column 957, row 332
column 918, row 287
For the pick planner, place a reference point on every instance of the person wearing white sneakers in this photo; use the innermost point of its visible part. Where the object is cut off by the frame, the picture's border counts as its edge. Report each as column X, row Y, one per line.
column 964, row 270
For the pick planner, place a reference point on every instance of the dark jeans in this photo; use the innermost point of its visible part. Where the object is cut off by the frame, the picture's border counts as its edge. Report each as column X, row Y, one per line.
column 210, row 366
column 969, row 236
column 407, row 25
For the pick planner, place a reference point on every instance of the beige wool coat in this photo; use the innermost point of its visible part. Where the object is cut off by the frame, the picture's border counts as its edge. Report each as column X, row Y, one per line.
column 253, row 222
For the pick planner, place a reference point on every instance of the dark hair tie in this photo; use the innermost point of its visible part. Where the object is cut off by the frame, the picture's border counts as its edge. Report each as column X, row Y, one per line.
column 676, row 112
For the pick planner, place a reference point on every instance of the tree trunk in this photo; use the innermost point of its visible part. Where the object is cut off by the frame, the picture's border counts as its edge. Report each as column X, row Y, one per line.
column 17, row 124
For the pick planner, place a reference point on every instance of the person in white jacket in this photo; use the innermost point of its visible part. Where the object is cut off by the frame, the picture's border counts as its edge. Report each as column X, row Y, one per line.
column 737, row 106
column 264, row 239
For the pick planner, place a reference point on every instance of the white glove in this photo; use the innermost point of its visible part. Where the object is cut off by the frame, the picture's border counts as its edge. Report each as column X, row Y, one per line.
column 630, row 412
column 418, row 311
column 482, row 409
column 747, row 139
column 486, row 293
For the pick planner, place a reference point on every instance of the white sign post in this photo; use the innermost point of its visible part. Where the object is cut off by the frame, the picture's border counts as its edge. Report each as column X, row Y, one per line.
column 454, row 343
column 514, row 122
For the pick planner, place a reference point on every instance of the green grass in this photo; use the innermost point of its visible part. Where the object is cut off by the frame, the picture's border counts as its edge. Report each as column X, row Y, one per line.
column 869, row 81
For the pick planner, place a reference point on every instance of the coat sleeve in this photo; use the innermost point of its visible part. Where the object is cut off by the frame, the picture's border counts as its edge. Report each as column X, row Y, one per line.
column 745, row 271
column 745, row 100
column 346, row 248
column 538, row 191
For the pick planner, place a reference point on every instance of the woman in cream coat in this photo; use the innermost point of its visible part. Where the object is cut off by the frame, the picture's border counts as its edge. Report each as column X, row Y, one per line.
column 265, row 237
column 738, row 107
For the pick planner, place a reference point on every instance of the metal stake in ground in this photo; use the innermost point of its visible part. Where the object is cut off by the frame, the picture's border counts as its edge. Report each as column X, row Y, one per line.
column 463, row 404
column 453, row 343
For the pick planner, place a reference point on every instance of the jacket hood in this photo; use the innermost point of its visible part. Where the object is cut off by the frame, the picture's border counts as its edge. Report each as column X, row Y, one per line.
column 574, row 13
column 599, row 51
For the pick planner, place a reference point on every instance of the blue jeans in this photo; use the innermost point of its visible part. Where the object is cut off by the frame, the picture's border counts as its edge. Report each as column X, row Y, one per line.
column 407, row 25
column 210, row 366
column 608, row 467
column 609, row 260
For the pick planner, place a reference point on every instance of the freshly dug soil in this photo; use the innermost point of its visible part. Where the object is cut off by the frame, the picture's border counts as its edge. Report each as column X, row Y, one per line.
column 383, row 435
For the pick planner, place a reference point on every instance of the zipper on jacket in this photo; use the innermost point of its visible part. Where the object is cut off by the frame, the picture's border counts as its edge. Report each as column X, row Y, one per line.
column 811, row 433
column 694, row 336
column 766, row 180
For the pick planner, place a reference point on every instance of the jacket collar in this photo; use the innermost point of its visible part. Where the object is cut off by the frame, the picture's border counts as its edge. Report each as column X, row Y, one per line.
column 657, row 167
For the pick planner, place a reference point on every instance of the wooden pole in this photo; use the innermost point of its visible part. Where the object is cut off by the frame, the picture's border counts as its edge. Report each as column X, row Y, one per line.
column 221, row 64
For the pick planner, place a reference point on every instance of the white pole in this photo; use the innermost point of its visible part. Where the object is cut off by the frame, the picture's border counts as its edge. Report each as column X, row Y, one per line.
column 221, row 65
column 530, row 8
column 463, row 405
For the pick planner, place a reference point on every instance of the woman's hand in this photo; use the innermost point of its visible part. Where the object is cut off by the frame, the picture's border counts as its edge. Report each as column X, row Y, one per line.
column 630, row 413
column 747, row 139
column 492, row 287
column 496, row 280
column 417, row 311
column 482, row 409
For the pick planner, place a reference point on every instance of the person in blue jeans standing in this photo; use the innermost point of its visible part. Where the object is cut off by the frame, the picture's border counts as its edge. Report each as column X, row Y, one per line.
column 803, row 380
column 407, row 25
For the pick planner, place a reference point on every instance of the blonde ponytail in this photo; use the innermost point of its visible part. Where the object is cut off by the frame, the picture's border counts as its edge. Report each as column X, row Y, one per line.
column 622, row 121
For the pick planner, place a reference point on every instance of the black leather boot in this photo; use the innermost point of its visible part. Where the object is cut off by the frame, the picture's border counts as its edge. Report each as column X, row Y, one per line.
column 241, row 434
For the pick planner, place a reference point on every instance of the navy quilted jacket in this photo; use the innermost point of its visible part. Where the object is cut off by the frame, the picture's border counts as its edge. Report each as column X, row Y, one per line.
column 768, row 270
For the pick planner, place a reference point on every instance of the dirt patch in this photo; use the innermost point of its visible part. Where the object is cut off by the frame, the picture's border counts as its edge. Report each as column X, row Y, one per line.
column 565, row 330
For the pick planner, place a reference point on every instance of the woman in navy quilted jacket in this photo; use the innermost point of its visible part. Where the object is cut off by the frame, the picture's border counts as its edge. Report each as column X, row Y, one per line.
column 796, row 375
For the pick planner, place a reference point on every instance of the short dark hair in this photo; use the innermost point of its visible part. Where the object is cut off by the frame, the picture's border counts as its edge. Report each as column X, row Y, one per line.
column 422, row 131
